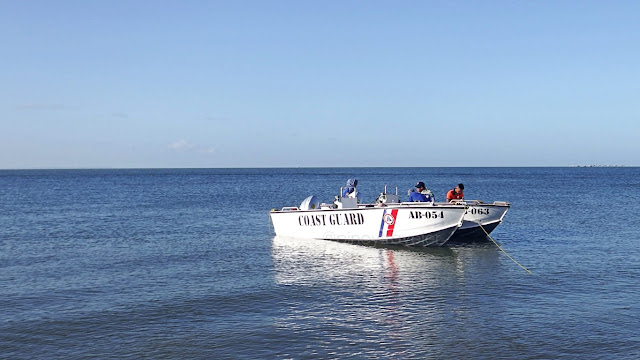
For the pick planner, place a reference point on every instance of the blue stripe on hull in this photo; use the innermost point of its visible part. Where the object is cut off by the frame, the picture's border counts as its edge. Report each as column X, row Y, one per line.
column 382, row 222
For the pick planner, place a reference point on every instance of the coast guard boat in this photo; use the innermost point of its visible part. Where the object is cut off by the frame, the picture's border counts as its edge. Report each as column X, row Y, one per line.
column 385, row 222
column 480, row 219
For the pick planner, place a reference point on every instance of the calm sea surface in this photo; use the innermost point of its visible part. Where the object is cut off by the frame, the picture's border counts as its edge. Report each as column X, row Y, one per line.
column 183, row 264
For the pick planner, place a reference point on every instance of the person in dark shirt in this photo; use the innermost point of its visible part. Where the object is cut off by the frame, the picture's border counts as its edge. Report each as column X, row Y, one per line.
column 418, row 196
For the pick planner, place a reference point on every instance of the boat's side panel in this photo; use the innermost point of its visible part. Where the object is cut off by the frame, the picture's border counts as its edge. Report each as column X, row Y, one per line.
column 323, row 224
column 472, row 234
column 379, row 224
column 479, row 221
column 483, row 214
column 436, row 238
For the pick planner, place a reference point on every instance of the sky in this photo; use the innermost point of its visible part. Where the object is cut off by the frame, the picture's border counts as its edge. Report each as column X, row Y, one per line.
column 208, row 84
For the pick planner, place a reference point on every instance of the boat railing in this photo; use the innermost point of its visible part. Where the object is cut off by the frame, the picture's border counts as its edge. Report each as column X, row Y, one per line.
column 289, row 208
column 388, row 198
column 386, row 192
column 478, row 202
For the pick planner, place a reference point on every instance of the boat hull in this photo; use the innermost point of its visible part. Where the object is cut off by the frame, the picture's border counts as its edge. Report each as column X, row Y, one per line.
column 408, row 224
column 437, row 238
column 479, row 221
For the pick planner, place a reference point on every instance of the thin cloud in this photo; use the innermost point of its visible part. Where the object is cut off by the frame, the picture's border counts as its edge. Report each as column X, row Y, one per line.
column 181, row 145
column 119, row 115
column 217, row 119
column 36, row 106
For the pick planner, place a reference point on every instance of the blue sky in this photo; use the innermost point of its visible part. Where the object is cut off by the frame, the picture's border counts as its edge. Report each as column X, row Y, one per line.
column 138, row 84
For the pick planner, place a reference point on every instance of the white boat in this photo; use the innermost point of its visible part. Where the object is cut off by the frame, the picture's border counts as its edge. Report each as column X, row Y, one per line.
column 480, row 219
column 385, row 222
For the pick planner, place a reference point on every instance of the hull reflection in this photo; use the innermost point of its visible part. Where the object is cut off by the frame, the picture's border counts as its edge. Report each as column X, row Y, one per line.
column 383, row 302
column 300, row 261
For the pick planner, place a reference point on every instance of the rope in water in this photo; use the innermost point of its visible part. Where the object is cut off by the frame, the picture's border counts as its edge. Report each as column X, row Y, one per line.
column 499, row 247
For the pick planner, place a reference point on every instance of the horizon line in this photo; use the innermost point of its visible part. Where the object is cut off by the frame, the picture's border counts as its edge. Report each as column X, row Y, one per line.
column 312, row 167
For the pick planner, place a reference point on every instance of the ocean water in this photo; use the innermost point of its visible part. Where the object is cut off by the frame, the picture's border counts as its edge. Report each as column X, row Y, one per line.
column 183, row 264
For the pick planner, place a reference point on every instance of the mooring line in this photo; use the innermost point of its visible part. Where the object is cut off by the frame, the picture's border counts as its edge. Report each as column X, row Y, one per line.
column 499, row 247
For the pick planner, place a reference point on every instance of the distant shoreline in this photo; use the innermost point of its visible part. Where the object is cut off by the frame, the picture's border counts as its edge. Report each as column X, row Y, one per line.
column 313, row 167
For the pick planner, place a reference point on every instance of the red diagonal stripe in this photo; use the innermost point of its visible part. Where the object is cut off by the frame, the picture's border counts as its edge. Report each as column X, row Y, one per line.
column 394, row 212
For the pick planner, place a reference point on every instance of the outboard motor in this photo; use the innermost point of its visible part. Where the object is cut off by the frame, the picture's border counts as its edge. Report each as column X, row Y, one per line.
column 310, row 203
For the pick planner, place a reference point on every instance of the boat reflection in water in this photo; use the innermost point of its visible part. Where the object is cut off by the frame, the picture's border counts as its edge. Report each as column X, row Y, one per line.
column 390, row 302
column 302, row 261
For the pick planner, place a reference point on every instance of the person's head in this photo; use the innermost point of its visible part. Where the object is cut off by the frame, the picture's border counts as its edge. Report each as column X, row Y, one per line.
column 460, row 188
column 420, row 186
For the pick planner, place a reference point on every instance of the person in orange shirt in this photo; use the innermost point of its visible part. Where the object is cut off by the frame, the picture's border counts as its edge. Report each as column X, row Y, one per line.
column 456, row 194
